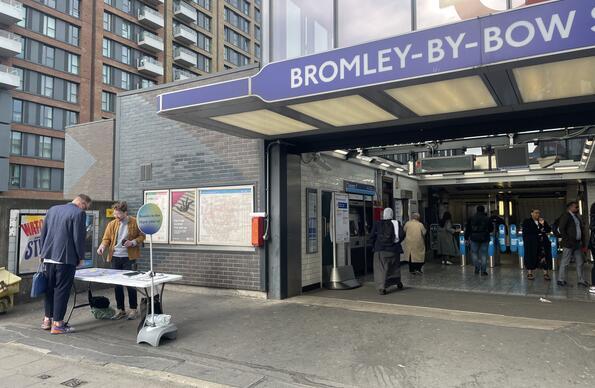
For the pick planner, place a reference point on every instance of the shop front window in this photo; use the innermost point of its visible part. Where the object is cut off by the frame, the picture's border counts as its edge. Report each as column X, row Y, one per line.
column 301, row 27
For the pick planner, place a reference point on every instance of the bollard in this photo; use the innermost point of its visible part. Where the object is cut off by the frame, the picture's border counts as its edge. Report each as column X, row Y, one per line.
column 462, row 248
column 521, row 250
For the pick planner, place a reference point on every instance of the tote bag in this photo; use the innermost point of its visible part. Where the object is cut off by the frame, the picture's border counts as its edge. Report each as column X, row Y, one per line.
column 39, row 283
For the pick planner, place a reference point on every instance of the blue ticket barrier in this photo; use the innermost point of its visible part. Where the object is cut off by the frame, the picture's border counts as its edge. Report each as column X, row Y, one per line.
column 502, row 237
column 521, row 250
column 554, row 244
column 492, row 252
column 462, row 248
column 513, row 239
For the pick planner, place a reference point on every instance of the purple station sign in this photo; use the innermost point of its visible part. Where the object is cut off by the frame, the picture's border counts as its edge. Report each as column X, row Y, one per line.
column 538, row 30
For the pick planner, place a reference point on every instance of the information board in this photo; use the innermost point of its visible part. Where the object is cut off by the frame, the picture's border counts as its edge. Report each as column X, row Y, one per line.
column 161, row 199
column 183, row 217
column 225, row 215
column 341, row 210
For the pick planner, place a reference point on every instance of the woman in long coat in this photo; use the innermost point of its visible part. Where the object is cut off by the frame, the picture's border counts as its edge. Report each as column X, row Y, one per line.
column 538, row 249
column 387, row 254
column 447, row 246
column 415, row 244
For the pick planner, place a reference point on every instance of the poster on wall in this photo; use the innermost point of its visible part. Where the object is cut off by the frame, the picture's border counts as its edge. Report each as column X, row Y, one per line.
column 312, row 220
column 225, row 215
column 29, row 242
column 161, row 199
column 183, row 217
column 90, row 240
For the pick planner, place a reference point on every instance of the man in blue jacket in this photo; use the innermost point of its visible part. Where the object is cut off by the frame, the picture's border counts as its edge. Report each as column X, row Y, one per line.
column 62, row 249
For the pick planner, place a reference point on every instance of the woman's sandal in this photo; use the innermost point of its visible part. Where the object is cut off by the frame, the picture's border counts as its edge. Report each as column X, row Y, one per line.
column 547, row 277
column 531, row 276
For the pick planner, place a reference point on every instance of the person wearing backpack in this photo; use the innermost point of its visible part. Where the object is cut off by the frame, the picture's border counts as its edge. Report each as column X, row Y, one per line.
column 478, row 231
column 386, row 236
column 415, row 244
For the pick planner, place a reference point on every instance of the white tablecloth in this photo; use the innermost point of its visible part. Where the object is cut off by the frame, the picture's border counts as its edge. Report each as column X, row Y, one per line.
column 117, row 277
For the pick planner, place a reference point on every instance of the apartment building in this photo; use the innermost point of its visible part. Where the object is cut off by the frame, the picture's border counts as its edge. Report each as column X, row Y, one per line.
column 62, row 62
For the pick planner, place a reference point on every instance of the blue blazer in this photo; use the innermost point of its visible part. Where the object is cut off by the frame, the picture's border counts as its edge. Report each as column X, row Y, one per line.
column 63, row 234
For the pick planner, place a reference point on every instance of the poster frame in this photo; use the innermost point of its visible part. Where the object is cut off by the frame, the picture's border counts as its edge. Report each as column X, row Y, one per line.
column 170, row 223
column 199, row 215
column 18, row 245
column 311, row 248
column 165, row 216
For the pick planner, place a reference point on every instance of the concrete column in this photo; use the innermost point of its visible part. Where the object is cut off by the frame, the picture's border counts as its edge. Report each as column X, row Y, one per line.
column 284, row 246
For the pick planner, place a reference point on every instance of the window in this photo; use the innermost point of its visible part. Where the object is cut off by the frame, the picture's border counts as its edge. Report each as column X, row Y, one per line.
column 107, row 21
column 107, row 101
column 125, row 32
column 42, row 178
column 72, row 92
column 107, row 75
column 204, row 63
column 257, row 33
column 73, row 38
column 48, row 56
column 125, row 80
column 49, row 26
column 204, row 21
column 206, row 4
column 17, row 111
column 21, row 55
column 236, row 39
column 204, row 42
column 44, row 144
column 146, row 83
column 75, row 8
column 257, row 16
column 15, row 175
column 16, row 143
column 235, row 57
column 257, row 51
column 71, row 118
column 21, row 77
column 47, row 86
column 125, row 55
column 23, row 22
column 236, row 20
column 126, row 6
column 47, row 116
column 107, row 48
column 73, row 63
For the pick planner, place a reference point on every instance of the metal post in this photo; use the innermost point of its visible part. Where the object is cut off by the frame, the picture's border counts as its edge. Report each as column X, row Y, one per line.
column 152, row 280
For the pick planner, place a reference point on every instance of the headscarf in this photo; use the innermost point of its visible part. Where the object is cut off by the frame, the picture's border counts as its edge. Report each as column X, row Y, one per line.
column 387, row 214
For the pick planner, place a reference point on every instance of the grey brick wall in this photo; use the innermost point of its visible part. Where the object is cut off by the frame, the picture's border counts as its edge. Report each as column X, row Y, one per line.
column 185, row 156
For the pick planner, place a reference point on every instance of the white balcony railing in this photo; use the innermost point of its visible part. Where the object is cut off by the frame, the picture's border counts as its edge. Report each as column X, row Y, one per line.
column 11, row 12
column 185, row 34
column 181, row 74
column 184, row 56
column 9, row 77
column 184, row 11
column 10, row 44
column 150, row 41
column 149, row 17
column 148, row 65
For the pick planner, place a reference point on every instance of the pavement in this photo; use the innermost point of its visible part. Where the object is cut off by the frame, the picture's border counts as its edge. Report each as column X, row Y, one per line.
column 412, row 338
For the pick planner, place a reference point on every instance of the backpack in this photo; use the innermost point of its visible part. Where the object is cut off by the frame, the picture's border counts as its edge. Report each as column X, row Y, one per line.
column 386, row 235
column 98, row 302
column 479, row 228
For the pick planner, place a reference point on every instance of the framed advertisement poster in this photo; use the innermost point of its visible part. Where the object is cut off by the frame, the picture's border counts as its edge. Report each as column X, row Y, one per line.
column 161, row 199
column 182, row 216
column 91, row 238
column 225, row 215
column 312, row 220
column 29, row 242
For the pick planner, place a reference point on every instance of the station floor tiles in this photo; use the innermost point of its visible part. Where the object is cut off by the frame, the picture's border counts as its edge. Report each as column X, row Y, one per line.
column 504, row 279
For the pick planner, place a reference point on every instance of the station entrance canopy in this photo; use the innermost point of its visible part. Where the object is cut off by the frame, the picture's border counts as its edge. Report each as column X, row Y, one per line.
column 519, row 69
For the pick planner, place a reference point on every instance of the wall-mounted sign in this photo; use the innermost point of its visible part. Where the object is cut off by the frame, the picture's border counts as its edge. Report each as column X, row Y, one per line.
column 109, row 213
column 183, row 217
column 161, row 199
column 341, row 218
column 359, row 188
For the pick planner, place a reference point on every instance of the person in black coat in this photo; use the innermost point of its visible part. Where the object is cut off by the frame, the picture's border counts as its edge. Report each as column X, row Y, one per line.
column 592, row 246
column 386, row 236
column 538, row 250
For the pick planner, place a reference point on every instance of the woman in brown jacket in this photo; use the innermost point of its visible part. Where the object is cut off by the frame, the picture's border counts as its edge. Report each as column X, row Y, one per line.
column 123, row 239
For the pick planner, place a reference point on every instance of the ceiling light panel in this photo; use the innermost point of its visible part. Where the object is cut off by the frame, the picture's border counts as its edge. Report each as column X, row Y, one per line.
column 265, row 122
column 455, row 95
column 550, row 81
column 343, row 111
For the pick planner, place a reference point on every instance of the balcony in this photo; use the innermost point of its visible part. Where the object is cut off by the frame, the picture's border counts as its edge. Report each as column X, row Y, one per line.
column 150, row 18
column 155, row 2
column 181, row 74
column 184, row 57
column 11, row 12
column 184, row 34
column 10, row 44
column 9, row 78
column 150, row 42
column 150, row 66
column 185, row 11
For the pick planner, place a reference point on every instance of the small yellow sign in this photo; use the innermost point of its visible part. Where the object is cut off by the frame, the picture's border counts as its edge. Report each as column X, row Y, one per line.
column 109, row 213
